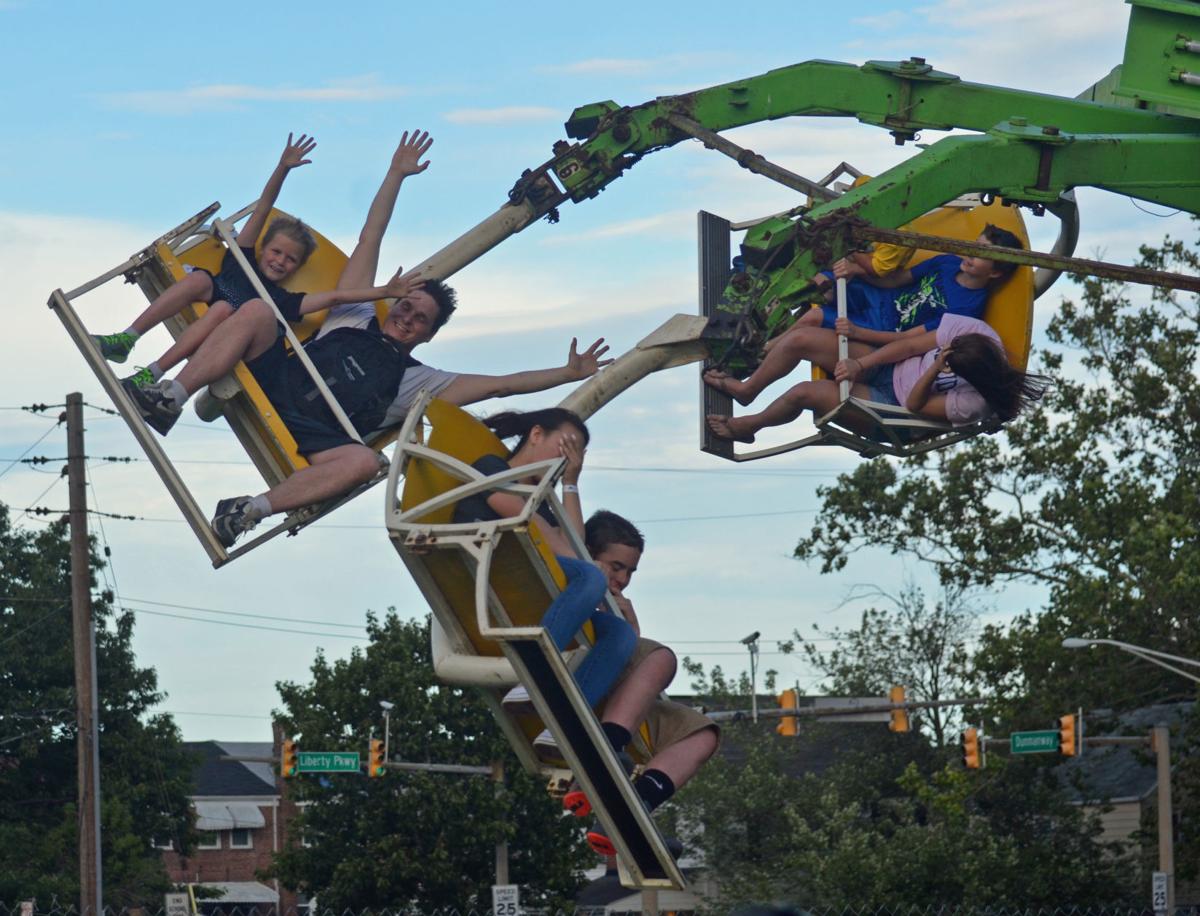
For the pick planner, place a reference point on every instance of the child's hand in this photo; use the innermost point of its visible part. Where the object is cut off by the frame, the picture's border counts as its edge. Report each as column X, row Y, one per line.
column 943, row 355
column 406, row 159
column 402, row 284
column 848, row 370
column 294, row 153
column 847, row 268
column 571, row 448
column 846, row 328
column 586, row 364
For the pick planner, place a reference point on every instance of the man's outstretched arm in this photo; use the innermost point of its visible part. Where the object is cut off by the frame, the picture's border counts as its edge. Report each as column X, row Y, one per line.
column 467, row 389
column 360, row 270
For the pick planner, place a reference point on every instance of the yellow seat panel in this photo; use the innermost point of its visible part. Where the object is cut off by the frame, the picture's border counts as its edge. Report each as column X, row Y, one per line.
column 513, row 578
column 319, row 273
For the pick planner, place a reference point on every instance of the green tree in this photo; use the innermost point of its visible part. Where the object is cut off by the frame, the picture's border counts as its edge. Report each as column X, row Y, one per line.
column 416, row 839
column 911, row 644
column 145, row 774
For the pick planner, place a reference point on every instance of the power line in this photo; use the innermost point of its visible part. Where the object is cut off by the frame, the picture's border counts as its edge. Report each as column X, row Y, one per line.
column 244, row 626
column 13, row 462
column 209, row 610
column 55, row 482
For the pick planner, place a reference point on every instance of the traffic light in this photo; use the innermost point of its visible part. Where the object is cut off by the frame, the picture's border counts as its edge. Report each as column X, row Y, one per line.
column 899, row 721
column 287, row 759
column 1066, row 736
column 970, row 749
column 789, row 699
column 375, row 759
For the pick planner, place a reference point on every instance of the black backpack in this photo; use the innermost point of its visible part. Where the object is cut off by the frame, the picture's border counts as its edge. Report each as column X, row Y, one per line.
column 363, row 369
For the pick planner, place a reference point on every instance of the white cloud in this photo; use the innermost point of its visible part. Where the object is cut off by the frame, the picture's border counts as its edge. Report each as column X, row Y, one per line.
column 223, row 96
column 510, row 114
column 1040, row 45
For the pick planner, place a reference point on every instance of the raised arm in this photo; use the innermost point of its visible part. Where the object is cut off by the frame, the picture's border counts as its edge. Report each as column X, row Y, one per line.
column 360, row 270
column 293, row 157
column 396, row 288
column 467, row 389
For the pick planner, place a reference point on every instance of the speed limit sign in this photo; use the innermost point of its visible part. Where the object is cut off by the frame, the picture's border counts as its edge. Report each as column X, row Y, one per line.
column 506, row 900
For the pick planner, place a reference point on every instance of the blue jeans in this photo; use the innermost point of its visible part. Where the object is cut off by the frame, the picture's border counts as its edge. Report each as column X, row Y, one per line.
column 615, row 639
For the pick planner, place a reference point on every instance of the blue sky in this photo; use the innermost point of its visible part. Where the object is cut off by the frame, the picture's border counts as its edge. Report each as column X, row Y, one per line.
column 117, row 127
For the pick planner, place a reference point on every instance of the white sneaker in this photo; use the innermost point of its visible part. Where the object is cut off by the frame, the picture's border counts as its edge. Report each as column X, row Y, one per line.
column 518, row 703
column 545, row 748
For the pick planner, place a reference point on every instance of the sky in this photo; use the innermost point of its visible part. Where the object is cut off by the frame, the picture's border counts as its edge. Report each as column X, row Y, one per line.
column 118, row 127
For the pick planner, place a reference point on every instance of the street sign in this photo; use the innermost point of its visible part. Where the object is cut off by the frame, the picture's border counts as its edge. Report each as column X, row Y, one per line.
column 506, row 900
column 1158, row 892
column 327, row 762
column 177, row 905
column 1033, row 742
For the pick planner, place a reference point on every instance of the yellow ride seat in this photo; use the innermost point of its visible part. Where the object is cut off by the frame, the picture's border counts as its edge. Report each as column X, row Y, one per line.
column 519, row 586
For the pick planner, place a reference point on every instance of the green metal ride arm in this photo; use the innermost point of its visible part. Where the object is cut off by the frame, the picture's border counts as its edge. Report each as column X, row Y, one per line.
column 904, row 97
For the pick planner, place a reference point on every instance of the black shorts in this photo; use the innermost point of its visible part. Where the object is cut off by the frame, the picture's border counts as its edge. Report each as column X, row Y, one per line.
column 274, row 372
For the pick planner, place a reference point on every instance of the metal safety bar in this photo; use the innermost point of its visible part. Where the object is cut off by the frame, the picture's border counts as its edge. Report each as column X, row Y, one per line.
column 141, row 432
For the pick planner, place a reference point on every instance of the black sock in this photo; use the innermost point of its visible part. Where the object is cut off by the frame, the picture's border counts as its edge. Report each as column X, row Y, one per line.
column 655, row 787
column 618, row 736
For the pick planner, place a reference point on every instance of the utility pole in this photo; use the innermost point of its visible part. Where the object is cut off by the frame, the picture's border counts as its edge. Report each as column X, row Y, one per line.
column 1161, row 742
column 502, row 846
column 83, row 630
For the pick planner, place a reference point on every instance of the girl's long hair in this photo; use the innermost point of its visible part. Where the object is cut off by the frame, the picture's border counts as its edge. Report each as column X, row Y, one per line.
column 1008, row 390
column 521, row 423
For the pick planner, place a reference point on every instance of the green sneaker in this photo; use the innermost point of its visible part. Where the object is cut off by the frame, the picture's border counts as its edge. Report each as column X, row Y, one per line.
column 142, row 378
column 115, row 347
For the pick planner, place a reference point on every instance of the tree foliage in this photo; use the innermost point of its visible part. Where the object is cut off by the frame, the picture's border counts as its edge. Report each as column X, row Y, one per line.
column 145, row 774
column 424, row 840
column 911, row 644
column 852, row 816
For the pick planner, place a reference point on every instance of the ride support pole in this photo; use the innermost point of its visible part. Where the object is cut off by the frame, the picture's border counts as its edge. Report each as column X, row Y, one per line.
column 843, row 340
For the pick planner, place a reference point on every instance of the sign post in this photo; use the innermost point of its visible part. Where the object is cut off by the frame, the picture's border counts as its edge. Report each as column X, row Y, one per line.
column 1158, row 892
column 327, row 762
column 1033, row 742
column 506, row 900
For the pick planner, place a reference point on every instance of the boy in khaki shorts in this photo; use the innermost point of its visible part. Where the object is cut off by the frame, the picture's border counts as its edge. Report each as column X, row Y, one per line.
column 682, row 738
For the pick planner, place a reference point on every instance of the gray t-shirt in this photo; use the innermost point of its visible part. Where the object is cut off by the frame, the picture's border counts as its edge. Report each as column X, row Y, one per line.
column 360, row 315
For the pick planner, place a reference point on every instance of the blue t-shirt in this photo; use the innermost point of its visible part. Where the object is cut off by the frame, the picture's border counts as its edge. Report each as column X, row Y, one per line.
column 933, row 293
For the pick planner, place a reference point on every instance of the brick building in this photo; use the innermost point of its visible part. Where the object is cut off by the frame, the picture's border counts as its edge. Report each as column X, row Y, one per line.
column 242, row 817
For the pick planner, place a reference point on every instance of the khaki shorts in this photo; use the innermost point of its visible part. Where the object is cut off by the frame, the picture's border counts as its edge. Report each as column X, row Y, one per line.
column 669, row 722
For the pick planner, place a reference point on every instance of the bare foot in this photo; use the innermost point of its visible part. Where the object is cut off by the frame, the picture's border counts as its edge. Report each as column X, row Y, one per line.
column 728, row 428
column 727, row 384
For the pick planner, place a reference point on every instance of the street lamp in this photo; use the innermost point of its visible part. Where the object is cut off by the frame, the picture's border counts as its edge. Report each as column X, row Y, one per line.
column 1151, row 655
column 751, row 643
